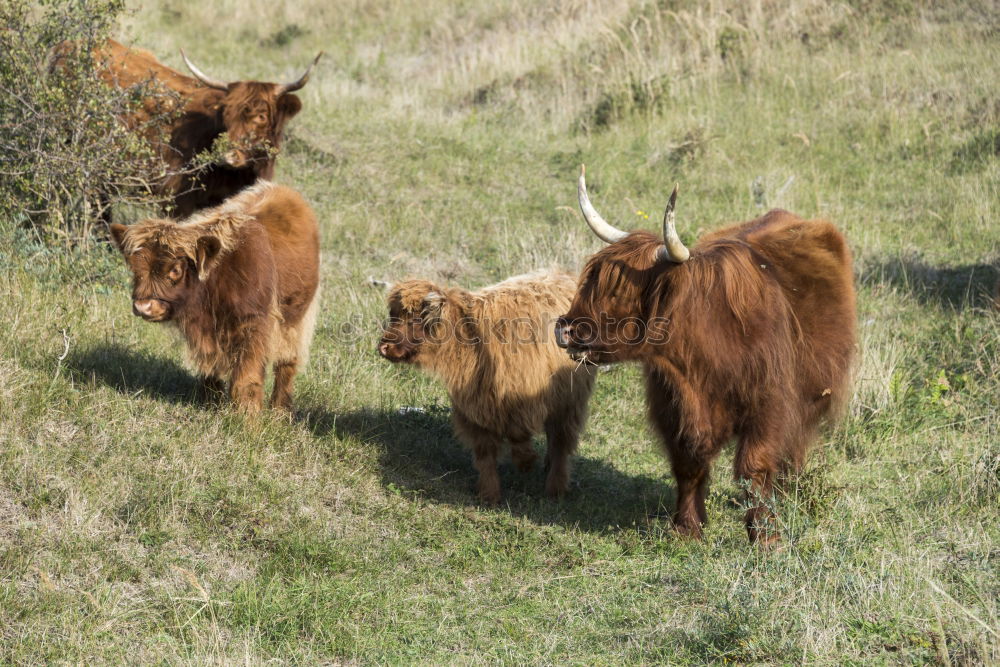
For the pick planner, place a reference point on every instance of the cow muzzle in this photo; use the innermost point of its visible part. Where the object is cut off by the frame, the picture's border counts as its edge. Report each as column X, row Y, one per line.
column 395, row 352
column 151, row 310
column 563, row 332
column 236, row 159
column 568, row 337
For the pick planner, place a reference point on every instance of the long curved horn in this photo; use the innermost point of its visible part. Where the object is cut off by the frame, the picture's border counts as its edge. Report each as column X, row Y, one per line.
column 605, row 231
column 673, row 250
column 290, row 87
column 198, row 74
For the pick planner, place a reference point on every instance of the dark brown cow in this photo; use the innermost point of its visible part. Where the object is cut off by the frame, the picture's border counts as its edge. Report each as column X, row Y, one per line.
column 750, row 335
column 252, row 113
column 240, row 282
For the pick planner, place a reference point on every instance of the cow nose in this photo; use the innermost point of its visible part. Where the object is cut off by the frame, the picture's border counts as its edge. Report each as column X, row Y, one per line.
column 563, row 331
column 383, row 349
column 143, row 307
column 234, row 158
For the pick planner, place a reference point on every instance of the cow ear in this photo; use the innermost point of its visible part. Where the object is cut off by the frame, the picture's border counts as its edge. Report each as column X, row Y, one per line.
column 289, row 105
column 118, row 236
column 431, row 307
column 207, row 255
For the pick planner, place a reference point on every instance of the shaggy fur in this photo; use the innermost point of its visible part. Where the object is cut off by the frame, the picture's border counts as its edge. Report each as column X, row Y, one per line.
column 507, row 379
column 753, row 337
column 250, row 113
column 239, row 281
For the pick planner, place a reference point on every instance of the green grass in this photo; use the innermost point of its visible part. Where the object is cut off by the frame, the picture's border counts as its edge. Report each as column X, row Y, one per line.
column 443, row 140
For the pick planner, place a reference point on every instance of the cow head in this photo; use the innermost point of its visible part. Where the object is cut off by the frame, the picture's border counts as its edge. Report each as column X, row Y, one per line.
column 413, row 331
column 170, row 261
column 609, row 319
column 254, row 114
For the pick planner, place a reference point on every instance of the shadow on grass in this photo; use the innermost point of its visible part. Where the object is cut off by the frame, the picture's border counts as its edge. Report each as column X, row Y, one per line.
column 961, row 287
column 420, row 454
column 134, row 372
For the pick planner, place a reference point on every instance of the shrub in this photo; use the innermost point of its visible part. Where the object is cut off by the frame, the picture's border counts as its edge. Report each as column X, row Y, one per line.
column 65, row 156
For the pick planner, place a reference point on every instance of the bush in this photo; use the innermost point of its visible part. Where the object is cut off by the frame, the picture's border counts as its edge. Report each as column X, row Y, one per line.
column 65, row 156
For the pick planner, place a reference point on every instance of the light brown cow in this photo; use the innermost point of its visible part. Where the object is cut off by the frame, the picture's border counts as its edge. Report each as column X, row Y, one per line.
column 507, row 379
column 252, row 114
column 240, row 282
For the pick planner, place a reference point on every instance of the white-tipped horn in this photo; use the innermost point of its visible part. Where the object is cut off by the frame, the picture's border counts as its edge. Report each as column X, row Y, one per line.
column 295, row 85
column 201, row 76
column 604, row 230
column 673, row 250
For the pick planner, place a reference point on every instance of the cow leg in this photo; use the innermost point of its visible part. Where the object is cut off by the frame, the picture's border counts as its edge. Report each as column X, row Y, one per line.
column 284, row 377
column 485, row 447
column 691, row 462
column 562, row 434
column 758, row 461
column 523, row 455
column 687, row 423
column 247, row 385
column 691, row 472
column 484, row 458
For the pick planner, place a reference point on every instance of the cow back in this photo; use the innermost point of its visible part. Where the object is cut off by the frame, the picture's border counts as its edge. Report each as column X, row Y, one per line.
column 811, row 262
column 293, row 234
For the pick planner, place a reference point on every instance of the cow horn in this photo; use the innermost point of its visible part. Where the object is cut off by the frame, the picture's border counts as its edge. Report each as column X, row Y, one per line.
column 291, row 87
column 673, row 250
column 198, row 74
column 605, row 231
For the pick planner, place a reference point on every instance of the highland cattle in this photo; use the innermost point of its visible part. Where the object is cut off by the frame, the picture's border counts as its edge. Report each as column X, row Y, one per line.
column 195, row 113
column 507, row 380
column 239, row 281
column 749, row 335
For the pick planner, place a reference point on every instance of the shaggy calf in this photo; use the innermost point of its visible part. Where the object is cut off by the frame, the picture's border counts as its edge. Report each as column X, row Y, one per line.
column 749, row 335
column 505, row 375
column 240, row 282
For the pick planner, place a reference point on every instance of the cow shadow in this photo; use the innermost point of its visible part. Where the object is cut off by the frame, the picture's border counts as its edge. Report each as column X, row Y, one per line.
column 959, row 287
column 133, row 372
column 419, row 454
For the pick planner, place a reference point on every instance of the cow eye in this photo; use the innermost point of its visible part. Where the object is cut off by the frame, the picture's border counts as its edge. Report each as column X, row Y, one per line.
column 176, row 272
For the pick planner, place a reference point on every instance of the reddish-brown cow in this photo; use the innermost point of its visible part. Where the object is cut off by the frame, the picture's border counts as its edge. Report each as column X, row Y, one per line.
column 750, row 335
column 240, row 282
column 252, row 113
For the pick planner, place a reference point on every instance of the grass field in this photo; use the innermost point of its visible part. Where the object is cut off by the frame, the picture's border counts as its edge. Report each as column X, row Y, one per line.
column 443, row 140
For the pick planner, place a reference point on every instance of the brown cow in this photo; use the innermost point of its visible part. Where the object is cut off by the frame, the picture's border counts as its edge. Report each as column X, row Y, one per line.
column 750, row 335
column 252, row 114
column 505, row 375
column 240, row 282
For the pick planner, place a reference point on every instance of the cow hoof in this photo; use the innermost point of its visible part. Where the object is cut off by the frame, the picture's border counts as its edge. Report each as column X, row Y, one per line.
column 489, row 500
column 764, row 539
column 687, row 529
column 555, row 494
column 248, row 409
column 282, row 408
column 489, row 497
column 556, row 488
